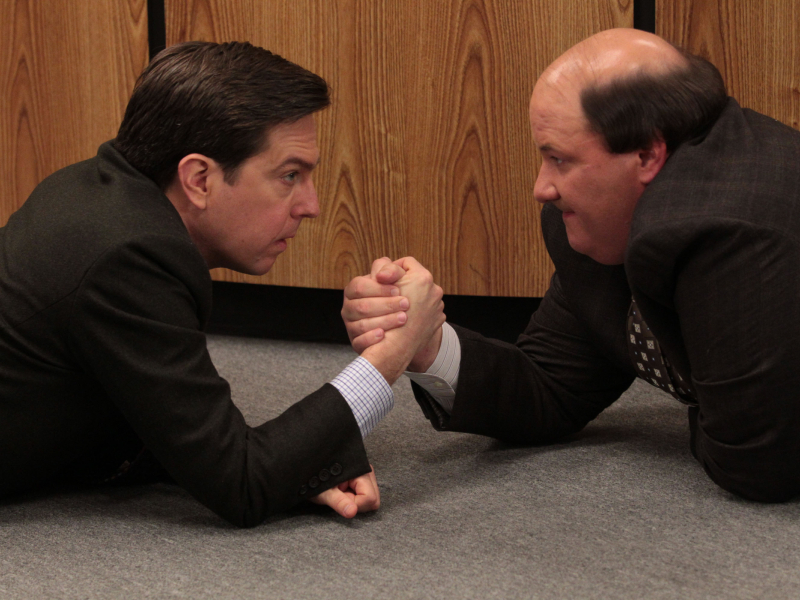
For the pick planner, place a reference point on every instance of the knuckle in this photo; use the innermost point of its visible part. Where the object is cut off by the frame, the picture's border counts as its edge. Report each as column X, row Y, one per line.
column 361, row 307
column 362, row 327
column 357, row 287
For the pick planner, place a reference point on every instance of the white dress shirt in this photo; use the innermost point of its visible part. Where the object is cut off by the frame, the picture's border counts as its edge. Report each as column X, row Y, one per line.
column 370, row 397
column 441, row 379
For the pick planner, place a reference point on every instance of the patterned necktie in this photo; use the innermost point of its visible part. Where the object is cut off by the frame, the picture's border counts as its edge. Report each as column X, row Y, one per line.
column 651, row 364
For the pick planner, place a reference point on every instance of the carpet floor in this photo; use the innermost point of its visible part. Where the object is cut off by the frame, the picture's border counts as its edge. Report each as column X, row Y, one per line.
column 620, row 510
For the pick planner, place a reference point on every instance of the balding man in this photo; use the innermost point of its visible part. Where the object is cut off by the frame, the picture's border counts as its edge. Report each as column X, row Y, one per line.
column 672, row 217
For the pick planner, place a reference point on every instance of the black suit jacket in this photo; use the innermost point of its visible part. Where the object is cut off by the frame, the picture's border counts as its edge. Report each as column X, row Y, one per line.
column 103, row 299
column 713, row 261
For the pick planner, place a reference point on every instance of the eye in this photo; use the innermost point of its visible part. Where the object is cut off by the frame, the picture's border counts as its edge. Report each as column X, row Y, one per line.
column 556, row 160
column 291, row 177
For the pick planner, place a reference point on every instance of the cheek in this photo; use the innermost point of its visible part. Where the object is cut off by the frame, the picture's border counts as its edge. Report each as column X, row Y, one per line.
column 272, row 225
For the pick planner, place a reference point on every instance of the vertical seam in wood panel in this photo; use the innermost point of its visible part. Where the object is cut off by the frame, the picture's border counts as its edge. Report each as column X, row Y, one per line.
column 644, row 15
column 156, row 27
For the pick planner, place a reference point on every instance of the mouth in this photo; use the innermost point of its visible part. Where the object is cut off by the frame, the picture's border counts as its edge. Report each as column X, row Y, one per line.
column 283, row 242
column 566, row 213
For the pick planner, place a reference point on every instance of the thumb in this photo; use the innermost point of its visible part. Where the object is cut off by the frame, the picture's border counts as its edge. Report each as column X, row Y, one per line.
column 342, row 502
column 390, row 273
column 407, row 263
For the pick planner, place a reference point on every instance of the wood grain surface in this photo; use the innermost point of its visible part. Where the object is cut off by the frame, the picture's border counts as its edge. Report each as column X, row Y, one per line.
column 67, row 69
column 426, row 150
column 755, row 45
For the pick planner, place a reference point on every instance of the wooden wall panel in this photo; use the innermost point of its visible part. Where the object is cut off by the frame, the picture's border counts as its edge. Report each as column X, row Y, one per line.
column 755, row 45
column 67, row 68
column 426, row 150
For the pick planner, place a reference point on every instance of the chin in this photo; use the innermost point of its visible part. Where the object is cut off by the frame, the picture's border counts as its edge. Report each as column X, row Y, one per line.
column 580, row 248
column 597, row 254
column 604, row 257
column 261, row 269
column 256, row 269
column 609, row 261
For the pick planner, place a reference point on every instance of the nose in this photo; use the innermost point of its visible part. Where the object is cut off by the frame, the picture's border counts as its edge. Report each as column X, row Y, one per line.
column 544, row 190
column 307, row 205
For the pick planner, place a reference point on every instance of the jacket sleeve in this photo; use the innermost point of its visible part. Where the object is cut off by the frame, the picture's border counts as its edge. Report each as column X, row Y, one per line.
column 135, row 329
column 550, row 384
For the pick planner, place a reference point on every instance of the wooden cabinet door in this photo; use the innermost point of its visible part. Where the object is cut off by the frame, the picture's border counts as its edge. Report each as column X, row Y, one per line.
column 427, row 149
column 67, row 69
column 755, row 44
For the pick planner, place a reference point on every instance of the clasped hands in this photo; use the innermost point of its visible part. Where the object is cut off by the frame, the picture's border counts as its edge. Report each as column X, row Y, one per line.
column 394, row 316
column 394, row 319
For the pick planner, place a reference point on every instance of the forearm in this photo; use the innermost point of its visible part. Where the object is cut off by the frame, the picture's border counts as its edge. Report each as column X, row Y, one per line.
column 152, row 363
column 504, row 394
column 551, row 383
column 245, row 474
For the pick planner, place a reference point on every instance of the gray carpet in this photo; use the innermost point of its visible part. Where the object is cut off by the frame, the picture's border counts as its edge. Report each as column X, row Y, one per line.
column 619, row 511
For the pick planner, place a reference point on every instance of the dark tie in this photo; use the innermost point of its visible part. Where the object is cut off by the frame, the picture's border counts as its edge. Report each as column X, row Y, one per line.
column 651, row 365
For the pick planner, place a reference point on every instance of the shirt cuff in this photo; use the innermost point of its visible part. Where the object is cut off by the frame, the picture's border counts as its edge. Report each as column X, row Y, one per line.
column 441, row 379
column 366, row 391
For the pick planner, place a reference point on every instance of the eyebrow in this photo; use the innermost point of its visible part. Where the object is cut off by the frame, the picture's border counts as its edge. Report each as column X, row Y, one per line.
column 545, row 148
column 298, row 161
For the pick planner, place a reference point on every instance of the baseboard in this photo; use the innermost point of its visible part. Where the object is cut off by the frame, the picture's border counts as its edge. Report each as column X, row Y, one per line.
column 311, row 314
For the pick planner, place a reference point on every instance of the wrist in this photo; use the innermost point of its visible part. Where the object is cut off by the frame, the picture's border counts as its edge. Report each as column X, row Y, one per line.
column 387, row 362
column 426, row 356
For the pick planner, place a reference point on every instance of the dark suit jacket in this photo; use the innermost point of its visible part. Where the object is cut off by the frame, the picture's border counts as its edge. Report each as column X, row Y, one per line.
column 714, row 263
column 103, row 299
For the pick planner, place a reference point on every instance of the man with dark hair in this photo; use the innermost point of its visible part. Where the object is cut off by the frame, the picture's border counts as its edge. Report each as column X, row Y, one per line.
column 671, row 215
column 217, row 100
column 104, row 275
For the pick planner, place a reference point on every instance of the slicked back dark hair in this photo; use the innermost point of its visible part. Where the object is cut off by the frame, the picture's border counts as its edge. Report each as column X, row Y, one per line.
column 634, row 111
column 219, row 100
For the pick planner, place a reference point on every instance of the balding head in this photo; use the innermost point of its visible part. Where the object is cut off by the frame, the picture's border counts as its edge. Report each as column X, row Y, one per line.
column 611, row 55
column 633, row 87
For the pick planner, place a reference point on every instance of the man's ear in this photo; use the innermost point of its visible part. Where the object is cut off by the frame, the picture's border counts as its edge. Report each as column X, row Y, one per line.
column 196, row 176
column 651, row 160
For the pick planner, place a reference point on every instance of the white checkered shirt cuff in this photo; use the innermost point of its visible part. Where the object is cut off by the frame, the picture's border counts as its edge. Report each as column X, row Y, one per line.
column 441, row 379
column 366, row 391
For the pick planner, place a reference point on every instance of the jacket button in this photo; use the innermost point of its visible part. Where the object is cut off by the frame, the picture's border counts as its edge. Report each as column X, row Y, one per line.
column 324, row 475
column 336, row 469
column 303, row 490
column 313, row 482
